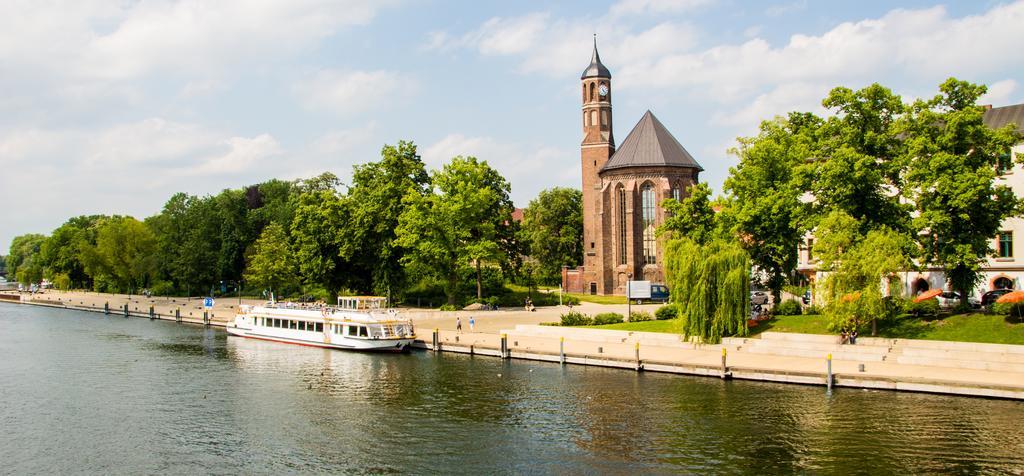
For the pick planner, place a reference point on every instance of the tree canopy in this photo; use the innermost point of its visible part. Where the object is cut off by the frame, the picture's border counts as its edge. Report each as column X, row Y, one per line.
column 552, row 231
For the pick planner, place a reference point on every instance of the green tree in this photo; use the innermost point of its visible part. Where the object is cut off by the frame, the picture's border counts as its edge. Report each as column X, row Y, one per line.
column 23, row 260
column 320, row 219
column 765, row 203
column 692, row 217
column 270, row 260
column 188, row 240
column 374, row 202
column 464, row 221
column 858, row 160
column 953, row 159
column 124, row 254
column 862, row 277
column 711, row 284
column 61, row 253
column 552, row 231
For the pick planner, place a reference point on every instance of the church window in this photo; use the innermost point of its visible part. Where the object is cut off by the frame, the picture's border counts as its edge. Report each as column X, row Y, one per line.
column 591, row 91
column 604, row 118
column 622, row 226
column 593, row 118
column 647, row 205
column 676, row 194
column 586, row 119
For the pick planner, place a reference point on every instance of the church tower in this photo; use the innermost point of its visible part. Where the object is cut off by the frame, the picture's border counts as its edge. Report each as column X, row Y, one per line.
column 597, row 147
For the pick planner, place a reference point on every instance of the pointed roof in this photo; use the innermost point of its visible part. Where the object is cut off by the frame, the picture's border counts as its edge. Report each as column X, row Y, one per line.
column 997, row 117
column 650, row 144
column 596, row 69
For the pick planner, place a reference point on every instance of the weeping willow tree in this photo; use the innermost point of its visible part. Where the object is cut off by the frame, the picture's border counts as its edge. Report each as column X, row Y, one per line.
column 711, row 283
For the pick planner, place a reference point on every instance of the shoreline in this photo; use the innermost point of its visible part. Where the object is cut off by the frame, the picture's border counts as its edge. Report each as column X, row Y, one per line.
column 984, row 370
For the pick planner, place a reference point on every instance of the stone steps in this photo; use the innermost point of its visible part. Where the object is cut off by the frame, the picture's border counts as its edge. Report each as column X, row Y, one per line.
column 941, row 354
column 960, row 364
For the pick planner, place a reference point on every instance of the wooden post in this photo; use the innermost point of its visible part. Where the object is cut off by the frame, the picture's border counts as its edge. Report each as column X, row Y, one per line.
column 638, row 365
column 152, row 313
column 125, row 310
column 504, row 346
column 725, row 369
column 106, row 308
column 561, row 350
column 437, row 340
column 177, row 314
column 828, row 378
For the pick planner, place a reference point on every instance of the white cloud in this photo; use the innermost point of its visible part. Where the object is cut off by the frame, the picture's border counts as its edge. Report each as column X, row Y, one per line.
column 999, row 93
column 347, row 92
column 115, row 40
column 531, row 168
column 782, row 99
column 785, row 8
column 243, row 154
column 632, row 7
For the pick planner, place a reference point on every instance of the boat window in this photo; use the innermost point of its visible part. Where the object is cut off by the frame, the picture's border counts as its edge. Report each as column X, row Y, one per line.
column 319, row 327
column 303, row 326
column 362, row 331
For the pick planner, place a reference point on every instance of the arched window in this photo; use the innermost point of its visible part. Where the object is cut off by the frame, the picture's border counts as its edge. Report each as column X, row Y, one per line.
column 622, row 224
column 584, row 93
column 1003, row 282
column 593, row 117
column 677, row 191
column 604, row 118
column 586, row 119
column 591, row 91
column 647, row 201
column 920, row 286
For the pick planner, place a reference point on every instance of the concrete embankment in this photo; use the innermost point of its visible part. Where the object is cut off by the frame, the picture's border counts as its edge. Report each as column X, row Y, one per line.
column 987, row 370
column 957, row 368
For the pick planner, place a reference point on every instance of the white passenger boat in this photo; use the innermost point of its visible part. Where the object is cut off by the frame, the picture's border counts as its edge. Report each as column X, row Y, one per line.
column 356, row 323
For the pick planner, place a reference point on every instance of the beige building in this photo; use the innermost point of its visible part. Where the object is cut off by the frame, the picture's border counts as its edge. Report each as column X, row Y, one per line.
column 1005, row 269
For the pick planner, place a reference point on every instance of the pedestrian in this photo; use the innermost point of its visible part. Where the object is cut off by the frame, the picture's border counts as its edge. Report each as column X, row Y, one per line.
column 458, row 324
column 842, row 337
column 853, row 336
column 471, row 323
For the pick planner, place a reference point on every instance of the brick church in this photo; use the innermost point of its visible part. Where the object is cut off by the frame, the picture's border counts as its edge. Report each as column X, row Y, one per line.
column 623, row 189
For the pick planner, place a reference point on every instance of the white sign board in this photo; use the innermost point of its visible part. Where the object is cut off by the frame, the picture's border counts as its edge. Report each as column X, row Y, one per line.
column 638, row 290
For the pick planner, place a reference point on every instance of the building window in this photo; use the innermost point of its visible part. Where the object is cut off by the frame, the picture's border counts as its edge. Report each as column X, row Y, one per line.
column 1006, row 244
column 591, row 91
column 1005, row 163
column 1003, row 283
column 586, row 119
column 593, row 117
column 647, row 205
column 622, row 225
column 676, row 193
column 604, row 118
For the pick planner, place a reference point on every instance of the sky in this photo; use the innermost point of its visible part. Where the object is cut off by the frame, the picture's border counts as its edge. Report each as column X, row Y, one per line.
column 110, row 107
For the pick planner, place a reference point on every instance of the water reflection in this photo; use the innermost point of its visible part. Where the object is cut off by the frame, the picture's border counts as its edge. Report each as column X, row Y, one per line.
column 86, row 393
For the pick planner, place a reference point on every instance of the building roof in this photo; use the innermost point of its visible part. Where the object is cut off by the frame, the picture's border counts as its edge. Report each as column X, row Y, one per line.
column 596, row 68
column 650, row 144
column 1000, row 116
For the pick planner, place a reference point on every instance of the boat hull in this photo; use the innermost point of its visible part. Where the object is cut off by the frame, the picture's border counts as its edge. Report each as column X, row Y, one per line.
column 363, row 345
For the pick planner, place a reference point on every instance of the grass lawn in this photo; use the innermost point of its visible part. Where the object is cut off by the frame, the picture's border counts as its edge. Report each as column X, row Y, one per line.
column 600, row 299
column 673, row 326
column 974, row 327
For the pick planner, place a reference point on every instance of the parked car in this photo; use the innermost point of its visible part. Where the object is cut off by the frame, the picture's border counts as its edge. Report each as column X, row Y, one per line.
column 952, row 299
column 758, row 297
column 990, row 297
column 659, row 293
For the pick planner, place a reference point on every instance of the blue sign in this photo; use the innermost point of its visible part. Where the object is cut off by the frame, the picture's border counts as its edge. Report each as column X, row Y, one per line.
column 208, row 302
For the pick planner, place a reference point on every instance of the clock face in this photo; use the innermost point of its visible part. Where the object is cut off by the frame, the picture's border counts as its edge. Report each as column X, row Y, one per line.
column 602, row 90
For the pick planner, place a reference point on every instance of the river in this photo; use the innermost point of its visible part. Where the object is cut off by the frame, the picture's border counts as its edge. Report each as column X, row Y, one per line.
column 86, row 393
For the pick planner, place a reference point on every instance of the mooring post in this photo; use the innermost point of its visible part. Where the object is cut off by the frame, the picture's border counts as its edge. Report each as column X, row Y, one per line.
column 561, row 350
column 177, row 314
column 638, row 364
column 206, row 318
column 828, row 379
column 724, row 368
column 106, row 308
column 504, row 346
column 152, row 313
column 437, row 340
column 125, row 310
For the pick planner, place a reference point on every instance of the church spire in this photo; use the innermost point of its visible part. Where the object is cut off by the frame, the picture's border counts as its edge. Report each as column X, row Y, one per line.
column 596, row 69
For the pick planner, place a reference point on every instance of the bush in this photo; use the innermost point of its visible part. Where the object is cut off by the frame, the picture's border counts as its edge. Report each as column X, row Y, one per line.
column 926, row 308
column 607, row 318
column 573, row 318
column 449, row 307
column 569, row 300
column 1013, row 309
column 640, row 316
column 667, row 312
column 492, row 301
column 812, row 310
column 788, row 308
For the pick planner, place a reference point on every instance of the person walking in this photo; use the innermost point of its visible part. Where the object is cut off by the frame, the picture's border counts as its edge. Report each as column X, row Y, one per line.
column 471, row 323
column 853, row 337
column 458, row 324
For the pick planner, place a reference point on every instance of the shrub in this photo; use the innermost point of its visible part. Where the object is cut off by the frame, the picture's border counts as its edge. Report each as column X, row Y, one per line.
column 926, row 308
column 492, row 301
column 640, row 316
column 573, row 318
column 667, row 312
column 812, row 310
column 788, row 308
column 570, row 300
column 607, row 318
column 449, row 307
column 1013, row 309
